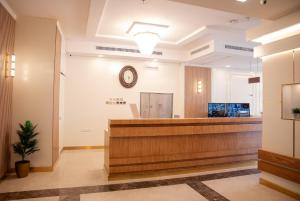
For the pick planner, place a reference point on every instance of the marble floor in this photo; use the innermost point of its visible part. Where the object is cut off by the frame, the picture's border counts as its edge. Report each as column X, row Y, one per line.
column 79, row 176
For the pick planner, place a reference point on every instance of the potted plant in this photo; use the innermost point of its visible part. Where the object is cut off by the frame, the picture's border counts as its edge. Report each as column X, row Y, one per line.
column 296, row 112
column 26, row 146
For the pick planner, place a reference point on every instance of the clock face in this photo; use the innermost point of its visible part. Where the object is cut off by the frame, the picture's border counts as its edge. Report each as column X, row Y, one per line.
column 128, row 76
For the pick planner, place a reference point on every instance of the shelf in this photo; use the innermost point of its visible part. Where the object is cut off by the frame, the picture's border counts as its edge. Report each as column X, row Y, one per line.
column 290, row 100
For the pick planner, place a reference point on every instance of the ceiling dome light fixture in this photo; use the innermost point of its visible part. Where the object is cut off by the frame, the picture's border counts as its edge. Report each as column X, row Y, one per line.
column 146, row 41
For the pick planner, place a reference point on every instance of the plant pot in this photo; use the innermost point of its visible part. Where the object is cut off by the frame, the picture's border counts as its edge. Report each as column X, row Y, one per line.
column 22, row 168
column 297, row 115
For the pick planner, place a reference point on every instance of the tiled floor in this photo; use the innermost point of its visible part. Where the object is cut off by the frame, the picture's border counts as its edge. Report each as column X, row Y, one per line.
column 40, row 199
column 246, row 188
column 79, row 176
column 179, row 192
column 75, row 168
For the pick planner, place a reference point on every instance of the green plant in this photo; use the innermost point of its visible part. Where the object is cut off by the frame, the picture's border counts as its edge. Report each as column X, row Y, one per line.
column 296, row 110
column 27, row 140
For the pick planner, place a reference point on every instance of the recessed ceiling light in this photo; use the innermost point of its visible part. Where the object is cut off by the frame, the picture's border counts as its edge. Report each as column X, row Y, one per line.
column 243, row 1
column 227, row 66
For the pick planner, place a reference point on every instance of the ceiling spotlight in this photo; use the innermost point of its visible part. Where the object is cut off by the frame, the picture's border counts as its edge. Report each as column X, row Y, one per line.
column 263, row 2
column 227, row 66
column 243, row 1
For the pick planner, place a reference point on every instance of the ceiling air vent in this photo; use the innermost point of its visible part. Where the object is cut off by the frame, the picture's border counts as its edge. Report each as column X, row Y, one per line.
column 199, row 49
column 232, row 47
column 117, row 49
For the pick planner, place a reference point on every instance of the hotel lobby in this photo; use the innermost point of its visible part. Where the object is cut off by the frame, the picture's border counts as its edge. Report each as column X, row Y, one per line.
column 155, row 100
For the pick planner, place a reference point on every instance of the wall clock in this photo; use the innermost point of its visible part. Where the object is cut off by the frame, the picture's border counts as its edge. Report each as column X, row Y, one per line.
column 128, row 76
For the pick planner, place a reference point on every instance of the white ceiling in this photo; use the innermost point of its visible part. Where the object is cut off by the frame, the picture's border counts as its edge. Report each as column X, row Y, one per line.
column 191, row 22
column 272, row 10
column 183, row 20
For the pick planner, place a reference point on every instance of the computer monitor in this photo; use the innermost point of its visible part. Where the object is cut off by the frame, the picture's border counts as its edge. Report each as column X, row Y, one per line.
column 238, row 109
column 216, row 110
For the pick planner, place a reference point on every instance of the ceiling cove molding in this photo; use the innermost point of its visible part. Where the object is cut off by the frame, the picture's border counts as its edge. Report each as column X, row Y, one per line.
column 182, row 41
column 267, row 27
column 283, row 45
column 8, row 8
column 95, row 18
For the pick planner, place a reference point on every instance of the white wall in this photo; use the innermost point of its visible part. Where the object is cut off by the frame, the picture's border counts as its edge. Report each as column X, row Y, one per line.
column 231, row 86
column 90, row 81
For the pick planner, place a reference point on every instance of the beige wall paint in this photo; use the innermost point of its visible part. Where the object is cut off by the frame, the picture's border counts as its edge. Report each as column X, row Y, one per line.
column 297, row 79
column 277, row 133
column 33, row 84
column 297, row 66
column 62, row 94
column 91, row 81
column 297, row 139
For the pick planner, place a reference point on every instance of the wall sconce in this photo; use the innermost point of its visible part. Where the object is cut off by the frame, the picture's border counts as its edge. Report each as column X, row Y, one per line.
column 10, row 65
column 199, row 86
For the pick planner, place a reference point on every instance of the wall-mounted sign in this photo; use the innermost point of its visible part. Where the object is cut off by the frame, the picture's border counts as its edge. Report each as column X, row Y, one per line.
column 115, row 101
column 253, row 80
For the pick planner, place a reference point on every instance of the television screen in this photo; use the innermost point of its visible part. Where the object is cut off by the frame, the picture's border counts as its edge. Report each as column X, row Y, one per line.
column 238, row 109
column 216, row 110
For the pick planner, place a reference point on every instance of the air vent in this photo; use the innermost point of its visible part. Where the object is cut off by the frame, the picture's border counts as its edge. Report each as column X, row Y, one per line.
column 117, row 49
column 151, row 67
column 199, row 49
column 232, row 47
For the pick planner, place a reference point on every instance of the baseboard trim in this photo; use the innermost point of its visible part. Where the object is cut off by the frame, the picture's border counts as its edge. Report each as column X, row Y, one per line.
column 279, row 188
column 82, row 147
column 280, row 165
column 35, row 169
column 41, row 169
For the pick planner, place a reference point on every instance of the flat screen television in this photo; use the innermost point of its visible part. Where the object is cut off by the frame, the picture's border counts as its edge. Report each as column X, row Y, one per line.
column 238, row 109
column 216, row 110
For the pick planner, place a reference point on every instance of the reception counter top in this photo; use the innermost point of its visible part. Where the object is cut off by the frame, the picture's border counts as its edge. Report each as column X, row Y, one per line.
column 135, row 145
column 116, row 122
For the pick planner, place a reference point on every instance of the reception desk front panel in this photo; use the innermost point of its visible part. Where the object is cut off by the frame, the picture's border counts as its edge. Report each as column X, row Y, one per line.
column 157, row 144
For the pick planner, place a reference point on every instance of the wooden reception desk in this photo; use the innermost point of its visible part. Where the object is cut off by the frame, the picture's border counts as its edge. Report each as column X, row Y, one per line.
column 139, row 145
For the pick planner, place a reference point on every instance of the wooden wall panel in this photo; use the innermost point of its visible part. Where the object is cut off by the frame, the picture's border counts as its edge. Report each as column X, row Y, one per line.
column 279, row 165
column 7, row 38
column 195, row 104
column 56, row 85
